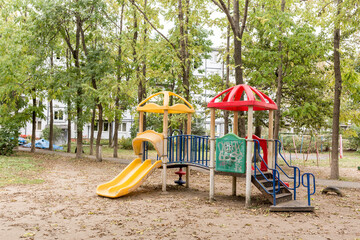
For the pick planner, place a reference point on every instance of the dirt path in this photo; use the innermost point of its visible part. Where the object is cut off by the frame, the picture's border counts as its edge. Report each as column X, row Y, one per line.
column 65, row 206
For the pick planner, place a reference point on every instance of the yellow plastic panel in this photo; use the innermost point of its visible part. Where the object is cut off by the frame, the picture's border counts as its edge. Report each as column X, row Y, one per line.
column 157, row 140
column 155, row 108
column 129, row 179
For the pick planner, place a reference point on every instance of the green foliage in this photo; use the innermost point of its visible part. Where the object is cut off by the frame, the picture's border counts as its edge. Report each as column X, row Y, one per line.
column 125, row 143
column 353, row 136
column 302, row 51
column 198, row 126
column 46, row 133
column 8, row 138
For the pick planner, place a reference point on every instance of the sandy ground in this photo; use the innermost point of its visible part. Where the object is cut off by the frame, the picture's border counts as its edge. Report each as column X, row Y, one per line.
column 66, row 206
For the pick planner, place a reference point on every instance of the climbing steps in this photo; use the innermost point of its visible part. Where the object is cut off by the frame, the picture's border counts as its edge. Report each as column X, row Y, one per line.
column 283, row 197
column 266, row 188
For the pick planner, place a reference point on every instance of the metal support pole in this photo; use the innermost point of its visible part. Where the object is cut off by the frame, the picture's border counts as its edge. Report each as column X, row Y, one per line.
column 235, row 131
column 271, row 137
column 248, row 157
column 212, row 154
column 164, row 158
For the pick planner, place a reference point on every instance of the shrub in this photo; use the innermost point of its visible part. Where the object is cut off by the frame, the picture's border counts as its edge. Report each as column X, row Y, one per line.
column 125, row 143
column 46, row 132
column 353, row 138
column 8, row 139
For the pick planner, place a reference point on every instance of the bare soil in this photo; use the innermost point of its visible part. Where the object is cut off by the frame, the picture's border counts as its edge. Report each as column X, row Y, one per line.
column 66, row 206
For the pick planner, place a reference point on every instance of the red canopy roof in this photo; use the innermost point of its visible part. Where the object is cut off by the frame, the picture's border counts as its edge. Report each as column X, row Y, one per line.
column 252, row 97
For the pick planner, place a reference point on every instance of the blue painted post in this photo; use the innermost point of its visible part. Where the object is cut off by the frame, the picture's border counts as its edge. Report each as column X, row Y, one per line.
column 207, row 142
column 295, row 184
column 180, row 151
column 203, row 145
column 302, row 141
column 199, row 151
column 274, row 192
column 308, row 187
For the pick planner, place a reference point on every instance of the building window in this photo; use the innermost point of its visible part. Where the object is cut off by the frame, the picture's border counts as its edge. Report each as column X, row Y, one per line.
column 124, row 127
column 59, row 115
column 106, row 126
column 38, row 127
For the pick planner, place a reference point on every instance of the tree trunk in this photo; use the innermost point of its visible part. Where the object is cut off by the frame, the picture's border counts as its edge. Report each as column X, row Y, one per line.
column 69, row 127
column 92, row 126
column 278, row 98
column 68, row 56
column 279, row 83
column 79, row 127
column 79, row 112
column 227, row 80
column 117, row 99
column 98, row 138
column 239, row 80
column 51, row 130
column 142, row 93
column 238, row 34
column 33, row 132
column 110, row 133
column 258, row 130
column 116, row 130
column 184, row 54
column 334, row 173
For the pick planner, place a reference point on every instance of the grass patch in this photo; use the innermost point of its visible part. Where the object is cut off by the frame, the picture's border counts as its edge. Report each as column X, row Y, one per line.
column 20, row 168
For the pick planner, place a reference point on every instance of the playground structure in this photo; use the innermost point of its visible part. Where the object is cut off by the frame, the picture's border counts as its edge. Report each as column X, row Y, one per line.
column 233, row 154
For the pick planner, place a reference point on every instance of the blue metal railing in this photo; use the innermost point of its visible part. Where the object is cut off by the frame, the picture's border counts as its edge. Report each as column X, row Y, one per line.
column 308, row 184
column 189, row 149
column 295, row 177
column 275, row 173
column 145, row 151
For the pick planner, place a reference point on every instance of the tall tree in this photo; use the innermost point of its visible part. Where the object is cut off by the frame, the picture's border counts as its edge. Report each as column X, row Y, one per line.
column 233, row 16
column 334, row 173
column 279, row 81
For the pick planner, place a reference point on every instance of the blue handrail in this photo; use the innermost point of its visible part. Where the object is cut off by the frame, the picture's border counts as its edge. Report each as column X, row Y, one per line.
column 188, row 149
column 308, row 184
column 145, row 150
column 276, row 174
column 296, row 176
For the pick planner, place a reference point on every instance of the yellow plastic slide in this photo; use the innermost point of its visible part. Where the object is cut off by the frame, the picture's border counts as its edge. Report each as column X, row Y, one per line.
column 129, row 179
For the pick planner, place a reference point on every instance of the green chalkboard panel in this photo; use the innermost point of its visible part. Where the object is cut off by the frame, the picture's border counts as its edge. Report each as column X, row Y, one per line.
column 230, row 154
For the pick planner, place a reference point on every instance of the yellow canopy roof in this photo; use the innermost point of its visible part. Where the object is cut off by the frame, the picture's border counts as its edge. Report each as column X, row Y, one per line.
column 156, row 139
column 155, row 108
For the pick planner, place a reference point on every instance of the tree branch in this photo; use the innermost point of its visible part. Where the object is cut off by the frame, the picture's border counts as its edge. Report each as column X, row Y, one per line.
column 223, row 8
column 83, row 39
column 108, row 17
column 152, row 25
column 67, row 40
column 243, row 23
column 323, row 8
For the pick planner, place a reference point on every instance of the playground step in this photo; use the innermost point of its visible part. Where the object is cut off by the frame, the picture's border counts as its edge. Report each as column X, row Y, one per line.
column 266, row 188
column 270, row 189
column 283, row 197
column 267, row 183
column 292, row 206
